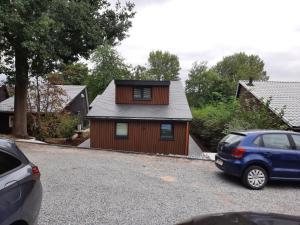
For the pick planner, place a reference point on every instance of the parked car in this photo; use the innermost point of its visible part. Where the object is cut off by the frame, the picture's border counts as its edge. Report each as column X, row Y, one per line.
column 20, row 187
column 259, row 156
column 244, row 218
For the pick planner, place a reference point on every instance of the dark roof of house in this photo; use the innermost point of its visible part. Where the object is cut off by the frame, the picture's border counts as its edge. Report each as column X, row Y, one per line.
column 72, row 91
column 284, row 95
column 141, row 83
column 104, row 106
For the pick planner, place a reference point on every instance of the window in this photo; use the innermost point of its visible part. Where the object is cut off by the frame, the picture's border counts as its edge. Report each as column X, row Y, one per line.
column 166, row 131
column 11, row 121
column 258, row 141
column 297, row 141
column 278, row 141
column 7, row 163
column 122, row 130
column 141, row 93
column 233, row 139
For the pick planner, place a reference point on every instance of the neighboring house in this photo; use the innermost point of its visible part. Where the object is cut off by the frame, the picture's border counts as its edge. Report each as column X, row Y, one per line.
column 75, row 101
column 3, row 93
column 141, row 116
column 284, row 95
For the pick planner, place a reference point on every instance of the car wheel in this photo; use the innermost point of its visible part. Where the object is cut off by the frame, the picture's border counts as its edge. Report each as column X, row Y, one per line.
column 255, row 177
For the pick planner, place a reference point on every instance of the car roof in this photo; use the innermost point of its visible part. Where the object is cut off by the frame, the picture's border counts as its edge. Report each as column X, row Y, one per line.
column 9, row 146
column 265, row 132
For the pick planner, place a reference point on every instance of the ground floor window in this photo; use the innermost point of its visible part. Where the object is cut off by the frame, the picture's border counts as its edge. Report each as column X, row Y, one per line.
column 166, row 131
column 122, row 130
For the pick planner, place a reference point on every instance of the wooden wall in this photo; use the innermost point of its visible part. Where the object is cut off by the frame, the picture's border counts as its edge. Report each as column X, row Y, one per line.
column 143, row 136
column 160, row 96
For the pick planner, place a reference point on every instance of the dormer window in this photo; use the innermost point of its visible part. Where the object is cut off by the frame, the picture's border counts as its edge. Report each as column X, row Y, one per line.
column 142, row 93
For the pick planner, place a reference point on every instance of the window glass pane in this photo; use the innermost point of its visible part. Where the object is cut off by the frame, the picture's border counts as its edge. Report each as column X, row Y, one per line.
column 146, row 93
column 257, row 141
column 278, row 141
column 233, row 139
column 297, row 141
column 122, row 129
column 137, row 93
column 7, row 163
column 166, row 131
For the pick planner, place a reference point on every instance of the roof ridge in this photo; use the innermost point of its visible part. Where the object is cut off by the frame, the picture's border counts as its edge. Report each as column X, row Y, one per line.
column 270, row 81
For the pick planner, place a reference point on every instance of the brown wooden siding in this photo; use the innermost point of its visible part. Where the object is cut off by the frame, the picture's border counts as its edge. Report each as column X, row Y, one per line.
column 160, row 96
column 143, row 136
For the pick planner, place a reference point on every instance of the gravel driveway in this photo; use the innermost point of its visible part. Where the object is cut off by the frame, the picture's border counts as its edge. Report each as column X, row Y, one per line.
column 97, row 187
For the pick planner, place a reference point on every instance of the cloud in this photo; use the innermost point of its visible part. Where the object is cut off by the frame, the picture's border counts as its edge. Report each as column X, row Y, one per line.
column 208, row 30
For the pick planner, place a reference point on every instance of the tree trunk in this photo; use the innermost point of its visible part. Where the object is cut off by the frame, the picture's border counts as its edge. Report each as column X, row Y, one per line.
column 20, row 118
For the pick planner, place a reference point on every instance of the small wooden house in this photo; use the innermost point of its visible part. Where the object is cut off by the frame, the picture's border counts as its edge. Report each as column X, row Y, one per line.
column 141, row 116
column 75, row 101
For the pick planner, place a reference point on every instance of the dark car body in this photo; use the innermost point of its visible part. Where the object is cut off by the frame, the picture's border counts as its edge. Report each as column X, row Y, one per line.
column 244, row 218
column 20, row 187
column 276, row 152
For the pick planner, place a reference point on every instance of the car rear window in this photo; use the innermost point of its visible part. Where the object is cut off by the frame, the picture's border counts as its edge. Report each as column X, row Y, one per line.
column 233, row 139
column 7, row 163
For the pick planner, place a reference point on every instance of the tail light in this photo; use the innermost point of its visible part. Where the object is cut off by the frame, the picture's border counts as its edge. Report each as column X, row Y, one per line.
column 238, row 153
column 36, row 171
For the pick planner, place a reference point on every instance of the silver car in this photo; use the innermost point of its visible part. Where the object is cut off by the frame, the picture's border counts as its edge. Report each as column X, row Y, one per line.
column 20, row 187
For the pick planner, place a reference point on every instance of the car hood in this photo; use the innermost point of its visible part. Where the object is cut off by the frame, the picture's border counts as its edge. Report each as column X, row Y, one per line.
column 243, row 218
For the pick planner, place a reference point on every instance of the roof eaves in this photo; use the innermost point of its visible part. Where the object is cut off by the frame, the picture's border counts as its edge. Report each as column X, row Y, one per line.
column 138, row 118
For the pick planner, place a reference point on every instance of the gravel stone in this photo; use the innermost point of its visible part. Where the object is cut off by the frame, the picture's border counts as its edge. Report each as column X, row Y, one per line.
column 89, row 187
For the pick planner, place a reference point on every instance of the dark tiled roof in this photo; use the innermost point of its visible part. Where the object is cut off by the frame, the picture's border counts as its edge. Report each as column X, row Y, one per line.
column 178, row 109
column 142, row 82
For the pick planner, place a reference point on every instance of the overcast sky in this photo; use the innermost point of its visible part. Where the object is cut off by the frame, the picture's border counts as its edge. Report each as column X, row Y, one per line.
column 208, row 30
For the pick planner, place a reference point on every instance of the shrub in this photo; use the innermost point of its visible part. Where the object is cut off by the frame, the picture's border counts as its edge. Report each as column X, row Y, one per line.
column 54, row 125
column 209, row 122
column 212, row 122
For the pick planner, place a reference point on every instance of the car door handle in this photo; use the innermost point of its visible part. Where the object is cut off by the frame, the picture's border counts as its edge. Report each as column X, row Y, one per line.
column 10, row 183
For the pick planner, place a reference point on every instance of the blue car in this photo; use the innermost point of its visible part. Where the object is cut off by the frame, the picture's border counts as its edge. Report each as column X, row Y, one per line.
column 20, row 187
column 259, row 156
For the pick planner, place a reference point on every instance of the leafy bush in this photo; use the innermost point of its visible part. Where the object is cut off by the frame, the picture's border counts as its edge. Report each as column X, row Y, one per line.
column 212, row 122
column 256, row 116
column 54, row 125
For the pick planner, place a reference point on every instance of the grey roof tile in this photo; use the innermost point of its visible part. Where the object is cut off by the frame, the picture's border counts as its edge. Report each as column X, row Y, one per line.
column 178, row 109
column 72, row 91
column 284, row 95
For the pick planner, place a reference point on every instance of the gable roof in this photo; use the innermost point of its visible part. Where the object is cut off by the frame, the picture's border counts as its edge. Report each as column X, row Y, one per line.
column 285, row 95
column 104, row 106
column 72, row 91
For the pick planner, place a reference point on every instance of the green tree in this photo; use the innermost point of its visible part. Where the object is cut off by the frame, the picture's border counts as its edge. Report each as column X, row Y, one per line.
column 35, row 36
column 163, row 66
column 141, row 73
column 108, row 65
column 75, row 74
column 205, row 86
column 241, row 66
